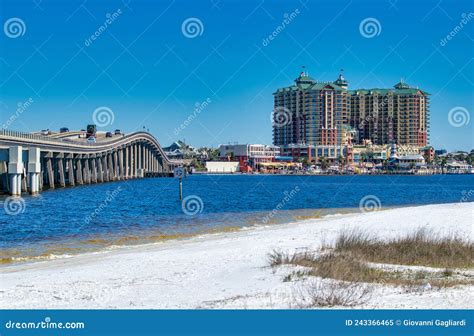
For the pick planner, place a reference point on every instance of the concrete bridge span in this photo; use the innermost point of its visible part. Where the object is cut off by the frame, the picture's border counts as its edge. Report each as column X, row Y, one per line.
column 31, row 162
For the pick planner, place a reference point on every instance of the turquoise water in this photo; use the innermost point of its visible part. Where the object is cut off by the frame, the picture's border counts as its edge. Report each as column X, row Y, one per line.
column 84, row 218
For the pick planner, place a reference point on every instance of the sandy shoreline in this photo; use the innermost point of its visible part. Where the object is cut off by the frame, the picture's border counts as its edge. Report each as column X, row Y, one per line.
column 223, row 270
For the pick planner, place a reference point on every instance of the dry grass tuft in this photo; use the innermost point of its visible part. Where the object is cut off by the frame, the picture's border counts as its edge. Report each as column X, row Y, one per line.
column 279, row 257
column 347, row 270
column 421, row 248
column 345, row 267
column 330, row 294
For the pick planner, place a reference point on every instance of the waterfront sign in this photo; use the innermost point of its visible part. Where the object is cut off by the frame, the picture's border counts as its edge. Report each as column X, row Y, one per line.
column 179, row 172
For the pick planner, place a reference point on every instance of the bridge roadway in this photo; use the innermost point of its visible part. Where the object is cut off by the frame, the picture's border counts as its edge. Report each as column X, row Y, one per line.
column 31, row 162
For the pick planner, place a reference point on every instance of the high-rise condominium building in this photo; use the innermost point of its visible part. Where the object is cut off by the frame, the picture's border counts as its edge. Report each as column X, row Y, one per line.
column 384, row 116
column 328, row 114
column 310, row 112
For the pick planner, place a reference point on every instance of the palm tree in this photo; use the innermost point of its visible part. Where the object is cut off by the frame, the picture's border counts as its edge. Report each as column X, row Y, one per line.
column 370, row 156
column 324, row 163
column 342, row 161
column 304, row 162
column 443, row 164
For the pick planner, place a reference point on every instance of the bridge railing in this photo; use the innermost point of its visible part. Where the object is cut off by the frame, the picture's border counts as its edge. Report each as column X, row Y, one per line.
column 63, row 141
column 78, row 145
column 31, row 136
column 25, row 135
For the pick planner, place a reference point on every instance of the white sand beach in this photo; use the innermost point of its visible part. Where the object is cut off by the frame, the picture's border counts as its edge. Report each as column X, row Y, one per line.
column 224, row 270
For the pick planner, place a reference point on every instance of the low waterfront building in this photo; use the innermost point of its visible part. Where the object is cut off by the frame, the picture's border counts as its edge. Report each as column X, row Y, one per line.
column 412, row 160
column 370, row 152
column 222, row 167
column 248, row 155
column 428, row 153
column 455, row 167
column 298, row 152
column 179, row 150
column 278, row 167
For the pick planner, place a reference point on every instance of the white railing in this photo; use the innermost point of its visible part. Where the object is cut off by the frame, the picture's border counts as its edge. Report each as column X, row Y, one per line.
column 76, row 144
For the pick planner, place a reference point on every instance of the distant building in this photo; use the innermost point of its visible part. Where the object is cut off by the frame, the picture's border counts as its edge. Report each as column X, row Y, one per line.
column 315, row 119
column 310, row 112
column 179, row 150
column 455, row 167
column 297, row 152
column 369, row 152
column 385, row 116
column 428, row 153
column 222, row 167
column 400, row 159
column 175, row 146
column 248, row 155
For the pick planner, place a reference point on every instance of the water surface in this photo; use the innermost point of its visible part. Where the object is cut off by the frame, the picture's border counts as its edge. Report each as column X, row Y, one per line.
column 84, row 218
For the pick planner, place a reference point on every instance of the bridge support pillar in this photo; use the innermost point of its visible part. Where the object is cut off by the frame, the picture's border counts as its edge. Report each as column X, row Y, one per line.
column 15, row 169
column 86, row 171
column 110, row 166
column 62, row 178
column 147, row 165
column 100, row 171
column 145, row 160
column 94, row 170
column 70, row 169
column 79, row 170
column 135, row 160
column 49, row 170
column 159, row 167
column 105, row 176
column 139, row 159
column 116, row 166
column 121, row 166
column 34, row 169
column 126, row 163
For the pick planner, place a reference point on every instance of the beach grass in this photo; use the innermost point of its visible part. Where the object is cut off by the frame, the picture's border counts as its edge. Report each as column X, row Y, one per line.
column 358, row 257
column 345, row 267
column 332, row 294
column 419, row 248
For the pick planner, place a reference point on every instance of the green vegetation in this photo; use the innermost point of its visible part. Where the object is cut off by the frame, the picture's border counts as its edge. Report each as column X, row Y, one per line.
column 345, row 267
column 341, row 274
column 421, row 248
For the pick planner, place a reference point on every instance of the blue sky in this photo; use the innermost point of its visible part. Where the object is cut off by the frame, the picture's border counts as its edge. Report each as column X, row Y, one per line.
column 149, row 73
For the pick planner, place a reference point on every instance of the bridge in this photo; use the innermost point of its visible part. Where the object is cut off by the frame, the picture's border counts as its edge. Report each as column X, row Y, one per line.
column 32, row 162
